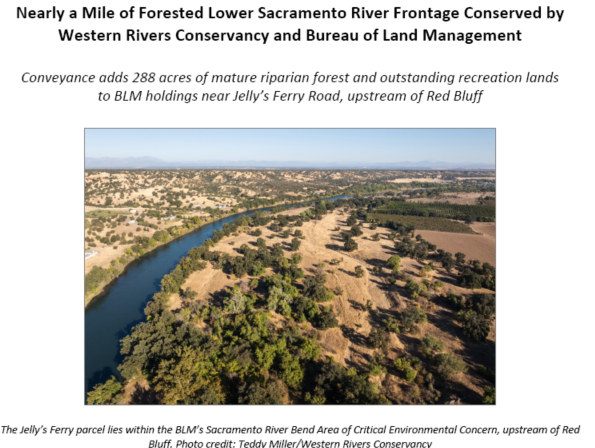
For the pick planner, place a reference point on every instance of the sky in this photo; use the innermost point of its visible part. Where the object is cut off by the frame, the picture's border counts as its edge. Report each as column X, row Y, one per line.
column 309, row 145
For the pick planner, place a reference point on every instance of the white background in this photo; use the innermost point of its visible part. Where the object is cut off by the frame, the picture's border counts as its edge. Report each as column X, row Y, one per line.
column 545, row 172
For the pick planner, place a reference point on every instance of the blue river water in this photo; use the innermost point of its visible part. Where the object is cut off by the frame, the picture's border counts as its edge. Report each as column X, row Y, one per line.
column 111, row 316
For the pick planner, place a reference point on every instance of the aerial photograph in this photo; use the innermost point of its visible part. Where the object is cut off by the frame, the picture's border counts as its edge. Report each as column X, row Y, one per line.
column 290, row 266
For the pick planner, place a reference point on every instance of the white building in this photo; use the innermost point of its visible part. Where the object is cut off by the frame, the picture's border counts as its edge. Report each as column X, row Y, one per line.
column 132, row 221
column 132, row 211
column 90, row 253
column 169, row 218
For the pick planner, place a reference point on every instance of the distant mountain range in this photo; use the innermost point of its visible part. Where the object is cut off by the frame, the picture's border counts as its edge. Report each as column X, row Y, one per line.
column 132, row 163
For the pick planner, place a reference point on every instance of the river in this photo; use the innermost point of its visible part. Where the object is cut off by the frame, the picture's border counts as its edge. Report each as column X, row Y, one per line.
column 111, row 316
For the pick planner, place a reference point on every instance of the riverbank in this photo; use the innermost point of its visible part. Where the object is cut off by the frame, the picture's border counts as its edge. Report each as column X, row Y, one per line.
column 112, row 315
column 121, row 268
column 182, row 231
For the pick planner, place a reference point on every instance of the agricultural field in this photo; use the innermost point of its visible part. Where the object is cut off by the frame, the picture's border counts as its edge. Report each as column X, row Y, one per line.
column 318, row 305
column 424, row 223
column 485, row 213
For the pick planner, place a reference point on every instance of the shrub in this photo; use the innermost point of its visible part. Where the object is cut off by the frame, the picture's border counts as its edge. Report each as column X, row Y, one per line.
column 455, row 301
column 448, row 365
column 412, row 316
column 489, row 395
column 327, row 319
column 359, row 272
column 391, row 326
column 378, row 339
column 431, row 345
column 410, row 374
column 402, row 363
column 375, row 368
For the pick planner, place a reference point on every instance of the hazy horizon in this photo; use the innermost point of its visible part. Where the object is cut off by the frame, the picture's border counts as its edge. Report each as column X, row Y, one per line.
column 316, row 146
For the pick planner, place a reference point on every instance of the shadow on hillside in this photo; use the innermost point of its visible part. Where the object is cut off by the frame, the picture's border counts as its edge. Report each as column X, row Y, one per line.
column 140, row 395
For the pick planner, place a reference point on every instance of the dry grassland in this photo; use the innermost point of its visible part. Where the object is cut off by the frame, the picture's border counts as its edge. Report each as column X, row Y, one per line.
column 347, row 343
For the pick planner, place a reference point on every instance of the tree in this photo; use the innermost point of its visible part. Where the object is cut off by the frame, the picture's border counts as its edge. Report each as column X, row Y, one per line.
column 359, row 272
column 296, row 258
column 376, row 237
column 334, row 384
column 261, row 244
column 350, row 245
column 271, row 392
column 295, row 244
column 290, row 370
column 183, row 378
column 447, row 261
column 106, row 393
column 351, row 221
column 470, row 279
column 356, row 231
column 394, row 263
column 484, row 305
column 460, row 257
column 277, row 250
column 476, row 327
column 236, row 302
column 258, row 269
